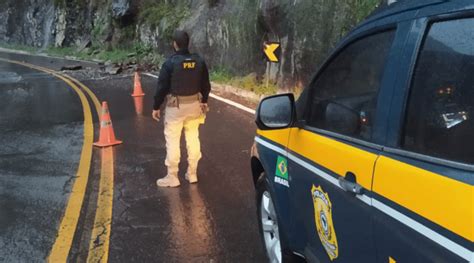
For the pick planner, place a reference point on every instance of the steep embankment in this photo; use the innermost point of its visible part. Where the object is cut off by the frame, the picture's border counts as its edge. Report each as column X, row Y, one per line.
column 228, row 33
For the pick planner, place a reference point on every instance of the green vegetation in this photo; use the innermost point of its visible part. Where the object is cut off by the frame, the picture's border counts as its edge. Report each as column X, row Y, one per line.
column 220, row 75
column 63, row 52
column 250, row 82
column 29, row 49
column 163, row 15
column 363, row 8
column 100, row 28
column 60, row 3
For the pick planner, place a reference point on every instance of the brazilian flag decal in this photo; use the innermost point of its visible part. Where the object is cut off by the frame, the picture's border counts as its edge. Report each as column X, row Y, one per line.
column 282, row 168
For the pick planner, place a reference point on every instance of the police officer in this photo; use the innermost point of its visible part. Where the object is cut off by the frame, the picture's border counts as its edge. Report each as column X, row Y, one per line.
column 184, row 83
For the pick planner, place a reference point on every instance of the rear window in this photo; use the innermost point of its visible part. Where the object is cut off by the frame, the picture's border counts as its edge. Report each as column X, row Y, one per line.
column 440, row 114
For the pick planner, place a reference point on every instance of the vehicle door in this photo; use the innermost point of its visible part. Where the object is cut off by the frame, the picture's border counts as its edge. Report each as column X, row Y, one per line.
column 423, row 183
column 331, row 159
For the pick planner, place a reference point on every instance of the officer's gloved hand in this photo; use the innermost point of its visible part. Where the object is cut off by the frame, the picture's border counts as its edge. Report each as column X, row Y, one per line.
column 204, row 108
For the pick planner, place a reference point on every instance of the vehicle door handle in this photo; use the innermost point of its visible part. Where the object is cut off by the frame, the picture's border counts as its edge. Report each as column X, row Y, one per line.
column 349, row 186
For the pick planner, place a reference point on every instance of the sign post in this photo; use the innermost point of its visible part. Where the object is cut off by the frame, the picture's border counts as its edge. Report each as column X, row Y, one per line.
column 272, row 52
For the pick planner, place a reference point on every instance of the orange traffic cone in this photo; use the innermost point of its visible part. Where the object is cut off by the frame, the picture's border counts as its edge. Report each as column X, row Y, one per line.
column 137, row 89
column 107, row 135
column 138, row 102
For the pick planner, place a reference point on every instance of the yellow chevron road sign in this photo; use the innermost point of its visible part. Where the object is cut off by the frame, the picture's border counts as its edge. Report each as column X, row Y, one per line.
column 272, row 51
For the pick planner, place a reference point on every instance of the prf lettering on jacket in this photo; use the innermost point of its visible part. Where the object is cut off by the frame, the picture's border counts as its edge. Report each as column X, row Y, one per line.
column 189, row 65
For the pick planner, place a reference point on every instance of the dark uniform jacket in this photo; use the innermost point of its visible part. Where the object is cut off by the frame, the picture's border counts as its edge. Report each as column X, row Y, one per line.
column 183, row 74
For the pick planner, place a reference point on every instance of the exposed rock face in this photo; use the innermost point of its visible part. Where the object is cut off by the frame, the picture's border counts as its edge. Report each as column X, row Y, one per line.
column 228, row 34
column 120, row 8
column 26, row 22
column 60, row 32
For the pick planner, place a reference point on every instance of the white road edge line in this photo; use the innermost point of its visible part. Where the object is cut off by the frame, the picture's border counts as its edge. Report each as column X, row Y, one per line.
column 418, row 227
column 214, row 96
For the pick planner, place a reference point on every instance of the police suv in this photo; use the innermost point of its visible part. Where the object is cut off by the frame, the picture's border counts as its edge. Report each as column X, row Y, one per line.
column 375, row 161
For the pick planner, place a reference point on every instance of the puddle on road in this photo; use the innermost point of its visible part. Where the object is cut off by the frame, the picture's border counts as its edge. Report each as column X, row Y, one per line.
column 9, row 77
column 190, row 220
column 37, row 103
column 41, row 133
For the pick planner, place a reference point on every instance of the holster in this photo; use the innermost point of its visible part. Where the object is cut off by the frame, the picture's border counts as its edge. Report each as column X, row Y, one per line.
column 172, row 101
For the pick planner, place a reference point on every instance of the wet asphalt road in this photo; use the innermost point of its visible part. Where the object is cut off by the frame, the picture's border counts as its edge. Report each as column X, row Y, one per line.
column 213, row 221
column 40, row 145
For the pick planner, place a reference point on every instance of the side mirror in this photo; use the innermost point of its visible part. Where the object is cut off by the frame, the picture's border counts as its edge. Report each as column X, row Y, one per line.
column 276, row 112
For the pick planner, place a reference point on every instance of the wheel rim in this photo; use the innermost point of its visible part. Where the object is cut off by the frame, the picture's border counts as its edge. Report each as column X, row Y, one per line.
column 270, row 229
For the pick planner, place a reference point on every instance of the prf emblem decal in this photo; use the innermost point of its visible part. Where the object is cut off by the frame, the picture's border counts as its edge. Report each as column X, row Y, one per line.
column 189, row 65
column 281, row 171
column 324, row 224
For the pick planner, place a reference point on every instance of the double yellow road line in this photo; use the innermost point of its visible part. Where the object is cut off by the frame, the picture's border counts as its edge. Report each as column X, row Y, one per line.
column 99, row 241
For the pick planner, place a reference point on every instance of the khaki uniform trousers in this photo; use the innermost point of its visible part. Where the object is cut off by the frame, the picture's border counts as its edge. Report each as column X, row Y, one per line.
column 189, row 117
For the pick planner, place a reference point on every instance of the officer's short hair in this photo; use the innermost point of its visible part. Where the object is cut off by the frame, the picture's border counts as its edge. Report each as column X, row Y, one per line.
column 181, row 38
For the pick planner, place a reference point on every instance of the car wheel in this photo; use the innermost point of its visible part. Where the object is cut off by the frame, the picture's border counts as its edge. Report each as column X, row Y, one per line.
column 274, row 245
column 273, row 241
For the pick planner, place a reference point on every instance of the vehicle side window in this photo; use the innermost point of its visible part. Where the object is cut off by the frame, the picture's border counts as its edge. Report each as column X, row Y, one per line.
column 344, row 97
column 440, row 113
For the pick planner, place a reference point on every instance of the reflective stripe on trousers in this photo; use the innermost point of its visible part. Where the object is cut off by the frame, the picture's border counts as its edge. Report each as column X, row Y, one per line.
column 187, row 116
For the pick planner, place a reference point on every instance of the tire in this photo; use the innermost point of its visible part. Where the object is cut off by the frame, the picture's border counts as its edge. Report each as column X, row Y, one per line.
column 272, row 240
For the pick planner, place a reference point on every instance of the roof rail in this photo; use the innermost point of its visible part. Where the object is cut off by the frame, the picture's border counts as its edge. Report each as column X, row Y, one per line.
column 389, row 2
column 391, row 7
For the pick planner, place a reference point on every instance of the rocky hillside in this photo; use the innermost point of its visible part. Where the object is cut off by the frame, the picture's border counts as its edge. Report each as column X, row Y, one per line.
column 229, row 34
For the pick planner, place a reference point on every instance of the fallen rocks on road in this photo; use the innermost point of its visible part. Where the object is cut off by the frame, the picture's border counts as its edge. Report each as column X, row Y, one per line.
column 113, row 69
column 71, row 67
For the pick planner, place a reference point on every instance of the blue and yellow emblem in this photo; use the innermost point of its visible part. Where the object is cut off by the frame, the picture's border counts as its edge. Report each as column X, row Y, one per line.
column 324, row 224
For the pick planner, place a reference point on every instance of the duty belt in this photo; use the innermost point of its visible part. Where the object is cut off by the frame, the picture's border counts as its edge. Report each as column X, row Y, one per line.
column 188, row 99
column 175, row 101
